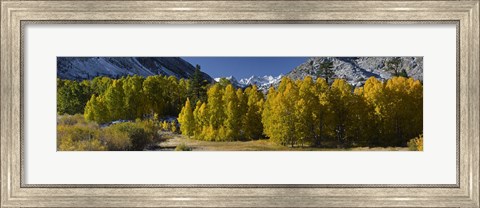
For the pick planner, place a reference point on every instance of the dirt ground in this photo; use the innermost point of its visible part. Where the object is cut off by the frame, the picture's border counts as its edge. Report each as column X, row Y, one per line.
column 172, row 140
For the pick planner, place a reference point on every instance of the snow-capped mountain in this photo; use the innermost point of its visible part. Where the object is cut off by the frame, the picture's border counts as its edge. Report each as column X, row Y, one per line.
column 262, row 82
column 232, row 80
column 81, row 68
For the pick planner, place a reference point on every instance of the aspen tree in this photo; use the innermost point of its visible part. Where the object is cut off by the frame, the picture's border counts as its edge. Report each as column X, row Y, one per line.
column 186, row 119
column 253, row 116
column 232, row 123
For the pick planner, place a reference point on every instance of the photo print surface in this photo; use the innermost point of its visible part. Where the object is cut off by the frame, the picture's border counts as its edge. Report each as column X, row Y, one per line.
column 239, row 103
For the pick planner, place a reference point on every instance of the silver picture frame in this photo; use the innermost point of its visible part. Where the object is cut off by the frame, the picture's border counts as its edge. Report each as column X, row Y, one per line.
column 15, row 15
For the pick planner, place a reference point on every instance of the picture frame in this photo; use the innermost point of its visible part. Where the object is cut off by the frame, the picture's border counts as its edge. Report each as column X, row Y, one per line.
column 16, row 14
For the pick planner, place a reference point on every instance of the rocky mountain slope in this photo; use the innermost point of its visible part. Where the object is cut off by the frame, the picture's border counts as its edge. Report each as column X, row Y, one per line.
column 80, row 68
column 356, row 70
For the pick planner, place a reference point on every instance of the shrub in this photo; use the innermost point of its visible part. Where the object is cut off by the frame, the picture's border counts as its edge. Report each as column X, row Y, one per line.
column 76, row 134
column 165, row 126
column 78, row 138
column 90, row 145
column 115, row 139
column 183, row 147
column 139, row 133
column 173, row 127
column 416, row 144
column 151, row 129
column 139, row 139
column 71, row 120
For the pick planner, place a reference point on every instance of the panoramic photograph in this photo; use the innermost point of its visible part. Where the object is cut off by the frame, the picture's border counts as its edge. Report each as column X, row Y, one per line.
column 239, row 103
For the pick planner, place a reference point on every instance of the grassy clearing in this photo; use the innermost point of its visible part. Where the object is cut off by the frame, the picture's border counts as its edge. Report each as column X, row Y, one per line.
column 172, row 141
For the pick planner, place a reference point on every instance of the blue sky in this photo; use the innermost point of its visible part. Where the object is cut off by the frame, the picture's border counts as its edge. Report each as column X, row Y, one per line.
column 244, row 67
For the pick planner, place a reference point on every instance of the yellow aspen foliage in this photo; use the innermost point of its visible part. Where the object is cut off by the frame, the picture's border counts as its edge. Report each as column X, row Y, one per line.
column 216, row 106
column 267, row 113
column 279, row 120
column 133, row 97
column 173, row 126
column 310, row 113
column 203, row 120
column 114, row 100
column 252, row 124
column 372, row 91
column 233, row 119
column 290, row 96
column 242, row 107
column 196, row 117
column 96, row 110
column 419, row 143
column 403, row 112
column 152, row 87
column 209, row 133
column 303, row 129
column 416, row 144
column 321, row 111
column 304, row 109
column 165, row 126
column 340, row 98
column 89, row 113
column 186, row 119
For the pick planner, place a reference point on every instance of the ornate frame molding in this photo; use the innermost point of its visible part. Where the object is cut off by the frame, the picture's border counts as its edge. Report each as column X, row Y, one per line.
column 15, row 14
